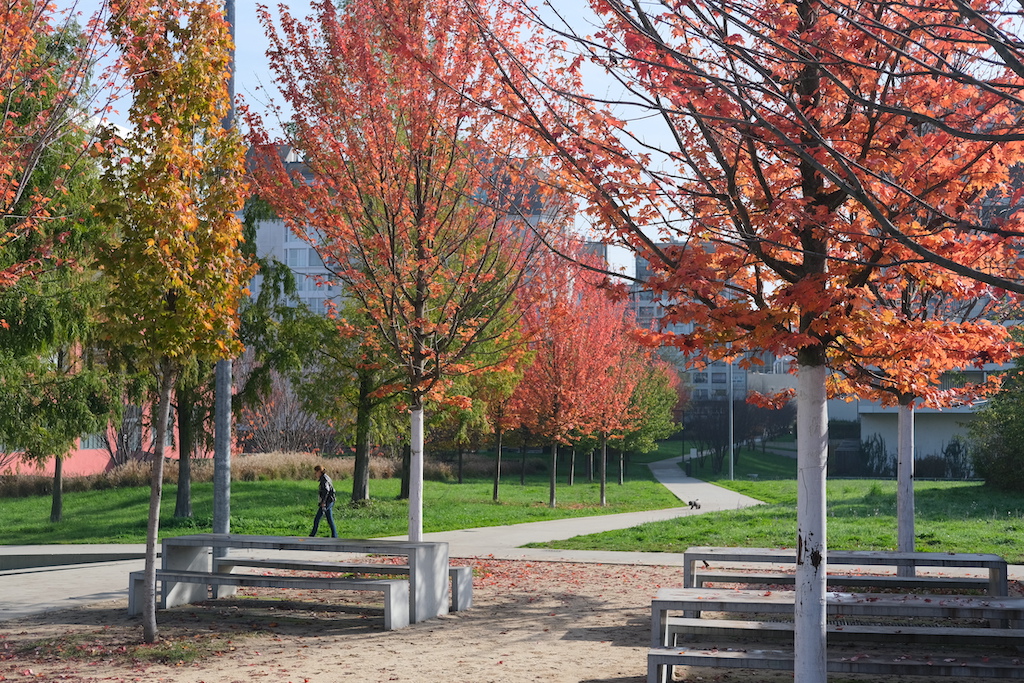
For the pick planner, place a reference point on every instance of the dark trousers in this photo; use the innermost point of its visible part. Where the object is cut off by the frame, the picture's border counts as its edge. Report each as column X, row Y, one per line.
column 325, row 511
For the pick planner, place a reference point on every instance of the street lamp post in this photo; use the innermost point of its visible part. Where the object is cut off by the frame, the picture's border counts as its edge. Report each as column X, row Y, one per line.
column 222, row 386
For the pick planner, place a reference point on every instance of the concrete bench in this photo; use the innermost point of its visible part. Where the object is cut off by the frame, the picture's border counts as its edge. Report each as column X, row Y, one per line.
column 1004, row 615
column 743, row 629
column 700, row 578
column 1006, row 612
column 661, row 660
column 395, row 591
column 429, row 594
column 713, row 558
column 462, row 577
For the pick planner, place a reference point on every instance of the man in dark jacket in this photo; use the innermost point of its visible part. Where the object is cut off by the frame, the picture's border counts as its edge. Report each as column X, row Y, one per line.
column 327, row 498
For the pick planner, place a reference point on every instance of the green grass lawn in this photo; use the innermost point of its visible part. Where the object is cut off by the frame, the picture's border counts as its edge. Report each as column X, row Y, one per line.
column 287, row 508
column 952, row 516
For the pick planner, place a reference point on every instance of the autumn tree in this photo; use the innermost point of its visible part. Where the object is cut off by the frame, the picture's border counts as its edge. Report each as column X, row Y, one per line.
column 619, row 366
column 652, row 405
column 497, row 395
column 56, row 386
column 45, row 69
column 965, row 324
column 174, row 266
column 584, row 366
column 800, row 160
column 411, row 193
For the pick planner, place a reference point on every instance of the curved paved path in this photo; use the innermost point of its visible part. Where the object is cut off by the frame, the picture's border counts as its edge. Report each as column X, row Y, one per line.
column 504, row 541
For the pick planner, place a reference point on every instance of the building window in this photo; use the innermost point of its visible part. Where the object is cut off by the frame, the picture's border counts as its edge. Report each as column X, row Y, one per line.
column 718, row 377
column 956, row 380
column 131, row 428
column 93, row 441
column 296, row 258
column 700, row 378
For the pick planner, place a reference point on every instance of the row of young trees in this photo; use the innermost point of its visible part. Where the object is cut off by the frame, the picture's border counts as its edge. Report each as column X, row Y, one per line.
column 435, row 216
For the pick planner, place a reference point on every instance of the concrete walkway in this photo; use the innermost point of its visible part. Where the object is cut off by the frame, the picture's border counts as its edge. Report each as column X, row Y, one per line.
column 504, row 542
column 36, row 579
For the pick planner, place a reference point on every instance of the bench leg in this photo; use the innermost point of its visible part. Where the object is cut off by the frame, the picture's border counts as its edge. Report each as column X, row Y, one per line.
column 462, row 588
column 190, row 559
column 136, row 592
column 657, row 672
column 396, row 606
column 223, row 565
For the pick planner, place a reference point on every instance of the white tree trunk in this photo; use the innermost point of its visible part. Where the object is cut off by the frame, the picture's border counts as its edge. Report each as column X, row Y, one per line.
column 812, row 456
column 905, row 485
column 416, row 476
column 150, row 634
column 604, row 470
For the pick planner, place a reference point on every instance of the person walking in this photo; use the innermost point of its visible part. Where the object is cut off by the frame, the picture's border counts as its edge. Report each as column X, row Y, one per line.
column 327, row 498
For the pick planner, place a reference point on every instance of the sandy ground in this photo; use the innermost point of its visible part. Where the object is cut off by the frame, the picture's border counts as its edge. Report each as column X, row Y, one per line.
column 531, row 621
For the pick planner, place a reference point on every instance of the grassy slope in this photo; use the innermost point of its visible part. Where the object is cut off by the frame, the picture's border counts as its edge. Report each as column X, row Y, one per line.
column 952, row 516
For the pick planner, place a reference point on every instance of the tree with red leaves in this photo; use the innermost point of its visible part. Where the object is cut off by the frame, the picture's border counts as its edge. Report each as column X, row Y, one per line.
column 411, row 193
column 585, row 364
column 45, row 70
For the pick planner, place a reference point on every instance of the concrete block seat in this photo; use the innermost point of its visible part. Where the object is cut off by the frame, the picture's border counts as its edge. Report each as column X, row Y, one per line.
column 461, row 577
column 395, row 591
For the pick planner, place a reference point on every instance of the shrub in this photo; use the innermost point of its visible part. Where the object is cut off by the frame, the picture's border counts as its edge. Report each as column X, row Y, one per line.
column 930, row 467
column 997, row 436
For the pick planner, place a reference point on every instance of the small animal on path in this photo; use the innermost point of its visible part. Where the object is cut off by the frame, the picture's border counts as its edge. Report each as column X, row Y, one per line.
column 695, row 505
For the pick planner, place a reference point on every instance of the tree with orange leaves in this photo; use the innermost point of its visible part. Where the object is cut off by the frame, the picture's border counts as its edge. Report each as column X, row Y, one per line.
column 808, row 151
column 412, row 195
column 963, row 328
column 176, row 272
